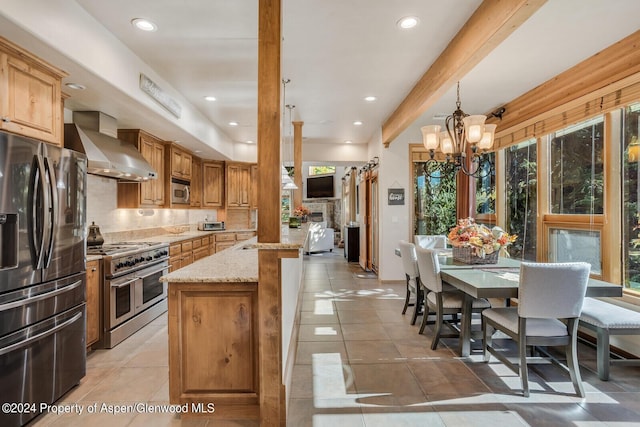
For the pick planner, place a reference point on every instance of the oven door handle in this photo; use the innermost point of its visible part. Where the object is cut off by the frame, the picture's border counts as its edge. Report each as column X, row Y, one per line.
column 123, row 284
column 152, row 272
column 29, row 300
column 36, row 337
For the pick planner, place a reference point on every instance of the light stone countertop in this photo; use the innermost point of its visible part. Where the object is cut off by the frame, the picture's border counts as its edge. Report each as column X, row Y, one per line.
column 172, row 238
column 94, row 257
column 236, row 264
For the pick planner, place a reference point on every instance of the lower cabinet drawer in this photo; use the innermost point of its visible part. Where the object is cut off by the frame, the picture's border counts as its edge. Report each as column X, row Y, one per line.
column 244, row 236
column 223, row 246
column 226, row 237
column 175, row 249
column 200, row 253
column 175, row 262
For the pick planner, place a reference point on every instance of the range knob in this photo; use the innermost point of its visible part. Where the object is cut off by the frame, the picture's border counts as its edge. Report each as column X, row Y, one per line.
column 149, row 258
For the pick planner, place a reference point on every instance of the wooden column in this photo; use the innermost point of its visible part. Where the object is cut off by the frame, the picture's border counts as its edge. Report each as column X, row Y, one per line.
column 466, row 191
column 269, row 121
column 271, row 396
column 297, row 163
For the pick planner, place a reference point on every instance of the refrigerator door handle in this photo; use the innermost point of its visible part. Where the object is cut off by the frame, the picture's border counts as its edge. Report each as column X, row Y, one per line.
column 37, row 184
column 30, row 300
column 41, row 335
column 51, row 212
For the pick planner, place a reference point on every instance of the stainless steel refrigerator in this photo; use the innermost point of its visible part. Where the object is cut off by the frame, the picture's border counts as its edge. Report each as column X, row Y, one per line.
column 42, row 275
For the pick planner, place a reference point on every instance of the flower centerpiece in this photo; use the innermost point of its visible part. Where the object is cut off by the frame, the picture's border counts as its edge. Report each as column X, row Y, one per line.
column 301, row 211
column 298, row 216
column 477, row 244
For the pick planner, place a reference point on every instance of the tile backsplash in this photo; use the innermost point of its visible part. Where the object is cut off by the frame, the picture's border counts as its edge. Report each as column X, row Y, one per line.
column 102, row 201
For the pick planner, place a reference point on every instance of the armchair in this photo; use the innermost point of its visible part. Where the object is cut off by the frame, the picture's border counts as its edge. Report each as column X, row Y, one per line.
column 319, row 238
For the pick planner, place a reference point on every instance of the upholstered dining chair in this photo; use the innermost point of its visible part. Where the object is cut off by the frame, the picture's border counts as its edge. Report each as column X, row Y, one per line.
column 550, row 298
column 408, row 256
column 435, row 241
column 441, row 299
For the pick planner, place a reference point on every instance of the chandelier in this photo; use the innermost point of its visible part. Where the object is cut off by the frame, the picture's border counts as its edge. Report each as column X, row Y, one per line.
column 464, row 134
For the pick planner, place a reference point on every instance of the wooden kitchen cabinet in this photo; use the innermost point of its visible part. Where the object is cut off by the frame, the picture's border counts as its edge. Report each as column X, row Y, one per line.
column 94, row 287
column 196, row 183
column 180, row 163
column 213, row 347
column 212, row 184
column 253, row 196
column 238, row 180
column 152, row 192
column 31, row 102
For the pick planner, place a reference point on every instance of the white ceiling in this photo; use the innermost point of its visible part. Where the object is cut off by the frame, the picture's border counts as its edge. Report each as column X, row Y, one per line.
column 334, row 53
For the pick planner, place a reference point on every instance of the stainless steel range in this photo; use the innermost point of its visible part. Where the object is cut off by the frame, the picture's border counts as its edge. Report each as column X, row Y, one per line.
column 133, row 293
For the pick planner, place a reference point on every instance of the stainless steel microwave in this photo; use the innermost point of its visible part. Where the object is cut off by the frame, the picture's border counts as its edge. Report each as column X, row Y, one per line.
column 211, row 225
column 180, row 192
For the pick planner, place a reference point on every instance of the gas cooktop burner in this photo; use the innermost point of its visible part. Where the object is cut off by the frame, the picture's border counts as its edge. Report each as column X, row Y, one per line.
column 118, row 247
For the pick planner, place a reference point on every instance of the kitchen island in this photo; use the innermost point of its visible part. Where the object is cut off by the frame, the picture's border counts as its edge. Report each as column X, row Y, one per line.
column 214, row 328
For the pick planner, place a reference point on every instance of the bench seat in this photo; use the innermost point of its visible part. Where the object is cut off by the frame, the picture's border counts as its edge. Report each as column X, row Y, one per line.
column 608, row 319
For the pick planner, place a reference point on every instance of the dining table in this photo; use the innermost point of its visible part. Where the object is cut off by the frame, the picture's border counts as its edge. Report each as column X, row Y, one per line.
column 497, row 281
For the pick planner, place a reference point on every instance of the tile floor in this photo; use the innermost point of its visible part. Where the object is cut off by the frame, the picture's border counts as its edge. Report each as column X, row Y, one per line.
column 360, row 363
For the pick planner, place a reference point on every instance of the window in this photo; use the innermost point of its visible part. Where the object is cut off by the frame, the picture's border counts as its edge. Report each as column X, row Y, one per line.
column 434, row 200
column 576, row 181
column 521, row 202
column 321, row 170
column 566, row 245
column 486, row 188
column 631, row 195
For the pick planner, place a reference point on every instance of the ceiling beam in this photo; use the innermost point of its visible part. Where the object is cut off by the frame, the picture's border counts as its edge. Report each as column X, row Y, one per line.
column 491, row 23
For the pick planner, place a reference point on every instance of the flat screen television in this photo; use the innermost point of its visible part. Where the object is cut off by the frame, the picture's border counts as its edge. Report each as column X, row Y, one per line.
column 320, row 186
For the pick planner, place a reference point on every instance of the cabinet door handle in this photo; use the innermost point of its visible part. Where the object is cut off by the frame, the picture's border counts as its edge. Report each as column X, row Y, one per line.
column 6, row 119
column 94, row 269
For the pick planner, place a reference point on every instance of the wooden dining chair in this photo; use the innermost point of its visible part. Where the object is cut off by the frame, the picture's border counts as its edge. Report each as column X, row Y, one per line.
column 550, row 298
column 408, row 256
column 441, row 299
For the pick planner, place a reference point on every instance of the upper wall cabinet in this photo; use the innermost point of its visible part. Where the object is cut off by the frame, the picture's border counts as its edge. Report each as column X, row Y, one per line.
column 196, row 183
column 31, row 98
column 152, row 192
column 238, row 180
column 254, row 187
column 212, row 184
column 180, row 163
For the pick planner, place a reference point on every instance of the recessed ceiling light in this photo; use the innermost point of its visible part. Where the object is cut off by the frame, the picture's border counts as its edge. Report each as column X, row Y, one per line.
column 249, row 142
column 144, row 24
column 370, row 98
column 197, row 151
column 210, row 98
column 407, row 22
column 348, row 141
column 357, row 123
column 233, row 123
column 76, row 86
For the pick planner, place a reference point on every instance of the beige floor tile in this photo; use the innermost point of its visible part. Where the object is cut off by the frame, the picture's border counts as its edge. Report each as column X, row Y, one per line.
column 447, row 377
column 308, row 350
column 311, row 318
column 129, row 385
column 377, row 351
column 387, row 384
column 363, row 331
column 358, row 316
column 330, row 332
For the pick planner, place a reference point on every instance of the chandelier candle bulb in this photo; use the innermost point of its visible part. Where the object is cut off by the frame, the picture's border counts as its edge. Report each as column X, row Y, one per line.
column 487, row 136
column 446, row 144
column 430, row 136
column 475, row 127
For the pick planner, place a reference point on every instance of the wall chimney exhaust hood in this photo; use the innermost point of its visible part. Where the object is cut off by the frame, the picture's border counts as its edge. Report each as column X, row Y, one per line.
column 95, row 134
